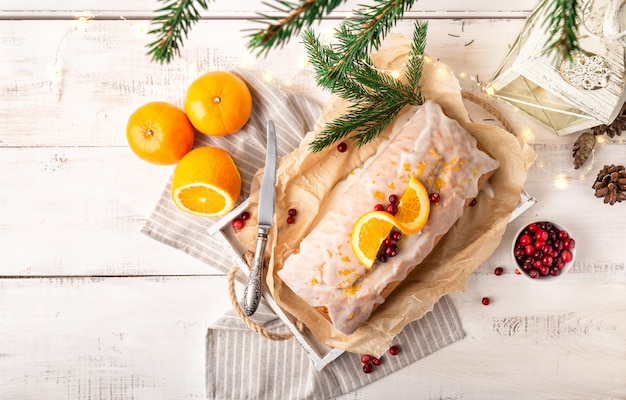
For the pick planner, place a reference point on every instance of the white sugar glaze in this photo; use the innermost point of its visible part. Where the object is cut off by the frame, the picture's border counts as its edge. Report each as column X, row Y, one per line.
column 444, row 157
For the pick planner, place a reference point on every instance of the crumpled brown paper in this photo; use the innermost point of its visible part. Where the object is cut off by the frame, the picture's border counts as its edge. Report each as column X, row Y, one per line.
column 305, row 180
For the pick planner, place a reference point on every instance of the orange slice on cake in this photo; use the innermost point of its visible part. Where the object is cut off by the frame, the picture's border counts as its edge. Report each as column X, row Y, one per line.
column 373, row 227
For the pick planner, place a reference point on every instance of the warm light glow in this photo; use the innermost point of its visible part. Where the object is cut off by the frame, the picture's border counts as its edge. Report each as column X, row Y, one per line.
column 193, row 70
column 303, row 62
column 427, row 59
column 82, row 22
column 247, row 61
column 442, row 70
column 56, row 70
column 395, row 74
column 561, row 182
column 528, row 135
column 490, row 90
column 141, row 29
column 600, row 139
column 268, row 77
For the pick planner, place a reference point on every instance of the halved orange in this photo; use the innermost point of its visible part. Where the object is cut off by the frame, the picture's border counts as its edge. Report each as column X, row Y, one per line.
column 373, row 227
column 206, row 182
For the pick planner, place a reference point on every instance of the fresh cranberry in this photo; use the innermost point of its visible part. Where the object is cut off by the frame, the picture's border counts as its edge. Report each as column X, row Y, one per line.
column 368, row 368
column 366, row 358
column 539, row 244
column 382, row 258
column 391, row 250
column 342, row 147
column 376, row 361
column 498, row 271
column 566, row 256
column 245, row 216
column 237, row 223
column 388, row 241
column 532, row 228
column 555, row 271
column 525, row 240
column 533, row 273
column 544, row 270
column 563, row 235
column 394, row 199
column 396, row 236
column 435, row 197
column 293, row 212
column 379, row 207
column 391, row 209
column 486, row 301
column 473, row 202
column 394, row 350
column 518, row 253
column 291, row 220
column 529, row 250
column 569, row 243
column 547, row 260
column 541, row 235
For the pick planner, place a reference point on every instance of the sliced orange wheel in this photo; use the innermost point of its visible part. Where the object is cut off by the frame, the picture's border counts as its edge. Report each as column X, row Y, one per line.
column 373, row 227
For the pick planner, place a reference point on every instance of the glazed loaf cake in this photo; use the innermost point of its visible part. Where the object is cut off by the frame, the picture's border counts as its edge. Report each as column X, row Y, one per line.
column 324, row 271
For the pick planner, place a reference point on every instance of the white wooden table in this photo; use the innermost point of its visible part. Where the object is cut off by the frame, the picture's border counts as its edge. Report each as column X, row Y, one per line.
column 90, row 308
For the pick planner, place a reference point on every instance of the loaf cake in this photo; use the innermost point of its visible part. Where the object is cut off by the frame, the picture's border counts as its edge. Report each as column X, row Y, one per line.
column 446, row 159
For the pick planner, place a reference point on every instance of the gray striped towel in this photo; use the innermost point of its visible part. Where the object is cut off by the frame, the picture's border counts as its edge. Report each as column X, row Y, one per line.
column 239, row 363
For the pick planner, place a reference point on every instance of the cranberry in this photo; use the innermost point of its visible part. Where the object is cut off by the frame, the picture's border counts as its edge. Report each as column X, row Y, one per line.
column 379, row 207
column 396, row 236
column 532, row 228
column 245, row 216
column 566, row 256
column 539, row 244
column 291, row 220
column 391, row 209
column 529, row 250
column 525, row 240
column 544, row 270
column 533, row 273
column 342, row 147
column 394, row 199
column 541, row 235
column 473, row 202
column 293, row 212
column 388, row 241
column 394, row 350
column 376, row 361
column 518, row 253
column 563, row 235
column 555, row 271
column 237, row 223
column 486, row 301
column 569, row 243
column 498, row 271
column 383, row 258
column 391, row 250
column 435, row 197
column 368, row 368
column 366, row 358
column 517, row 272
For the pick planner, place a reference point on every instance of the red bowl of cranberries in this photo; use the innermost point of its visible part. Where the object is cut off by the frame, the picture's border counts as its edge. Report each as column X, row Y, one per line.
column 543, row 250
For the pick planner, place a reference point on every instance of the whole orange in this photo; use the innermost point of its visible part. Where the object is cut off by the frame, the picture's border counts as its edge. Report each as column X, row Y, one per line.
column 218, row 103
column 206, row 182
column 160, row 133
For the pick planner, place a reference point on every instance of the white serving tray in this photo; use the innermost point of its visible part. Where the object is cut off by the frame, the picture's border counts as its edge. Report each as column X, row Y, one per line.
column 320, row 354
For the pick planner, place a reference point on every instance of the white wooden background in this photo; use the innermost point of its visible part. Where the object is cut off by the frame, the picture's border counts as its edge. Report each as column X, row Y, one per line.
column 92, row 309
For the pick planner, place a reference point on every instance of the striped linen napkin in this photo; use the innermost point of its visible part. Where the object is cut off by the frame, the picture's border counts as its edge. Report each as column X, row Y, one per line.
column 240, row 364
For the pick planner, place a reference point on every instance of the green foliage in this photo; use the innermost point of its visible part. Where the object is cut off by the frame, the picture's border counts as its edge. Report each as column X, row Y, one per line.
column 172, row 26
column 562, row 23
column 376, row 97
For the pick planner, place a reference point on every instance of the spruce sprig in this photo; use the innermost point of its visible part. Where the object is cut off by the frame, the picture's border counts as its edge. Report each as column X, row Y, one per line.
column 367, row 28
column 562, row 22
column 376, row 97
column 294, row 18
column 173, row 24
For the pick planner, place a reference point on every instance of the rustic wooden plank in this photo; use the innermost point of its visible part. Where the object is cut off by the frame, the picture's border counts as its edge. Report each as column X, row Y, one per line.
column 106, row 338
column 69, row 8
column 79, row 211
column 103, row 73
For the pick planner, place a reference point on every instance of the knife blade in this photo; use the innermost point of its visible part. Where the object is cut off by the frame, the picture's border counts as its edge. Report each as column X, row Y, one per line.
column 267, row 204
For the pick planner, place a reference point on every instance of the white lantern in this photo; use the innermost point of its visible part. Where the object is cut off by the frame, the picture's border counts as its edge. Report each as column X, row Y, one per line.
column 575, row 95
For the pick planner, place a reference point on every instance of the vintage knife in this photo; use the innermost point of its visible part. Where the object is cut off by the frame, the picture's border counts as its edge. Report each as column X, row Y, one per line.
column 267, row 203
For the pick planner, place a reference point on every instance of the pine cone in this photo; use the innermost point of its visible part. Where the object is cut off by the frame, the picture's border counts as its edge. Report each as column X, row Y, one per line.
column 611, row 184
column 582, row 148
column 616, row 127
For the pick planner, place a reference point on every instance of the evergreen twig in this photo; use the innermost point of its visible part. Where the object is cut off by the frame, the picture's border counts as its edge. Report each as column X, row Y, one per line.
column 562, row 22
column 295, row 17
column 172, row 27
column 377, row 98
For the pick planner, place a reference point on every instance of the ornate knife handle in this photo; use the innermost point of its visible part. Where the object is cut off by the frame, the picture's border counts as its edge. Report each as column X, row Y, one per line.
column 252, row 294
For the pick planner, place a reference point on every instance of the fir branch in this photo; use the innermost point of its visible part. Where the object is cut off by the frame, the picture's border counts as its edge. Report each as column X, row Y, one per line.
column 296, row 16
column 376, row 97
column 173, row 26
column 562, row 22
column 366, row 31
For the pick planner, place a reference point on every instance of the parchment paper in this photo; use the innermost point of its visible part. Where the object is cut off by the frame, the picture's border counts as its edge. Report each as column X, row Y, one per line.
column 305, row 180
